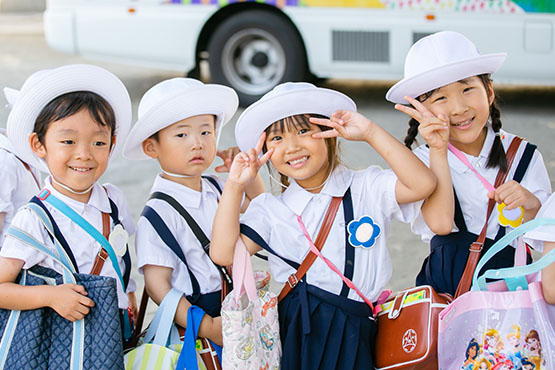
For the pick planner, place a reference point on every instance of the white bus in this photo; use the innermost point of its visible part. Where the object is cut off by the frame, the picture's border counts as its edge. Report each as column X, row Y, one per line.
column 254, row 45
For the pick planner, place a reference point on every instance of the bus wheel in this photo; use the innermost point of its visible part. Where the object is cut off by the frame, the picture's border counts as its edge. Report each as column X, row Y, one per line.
column 254, row 51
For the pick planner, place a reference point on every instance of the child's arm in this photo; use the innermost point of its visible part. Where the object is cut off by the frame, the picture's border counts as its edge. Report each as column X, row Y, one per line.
column 515, row 195
column 438, row 210
column 225, row 231
column 548, row 276
column 158, row 284
column 68, row 300
column 415, row 180
column 2, row 217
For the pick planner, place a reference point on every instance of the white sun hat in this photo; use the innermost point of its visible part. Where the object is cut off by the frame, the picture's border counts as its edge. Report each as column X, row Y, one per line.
column 284, row 100
column 438, row 60
column 173, row 100
column 45, row 85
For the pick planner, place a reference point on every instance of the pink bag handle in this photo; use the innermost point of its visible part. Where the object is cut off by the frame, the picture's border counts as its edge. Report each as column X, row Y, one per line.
column 463, row 159
column 243, row 276
column 332, row 266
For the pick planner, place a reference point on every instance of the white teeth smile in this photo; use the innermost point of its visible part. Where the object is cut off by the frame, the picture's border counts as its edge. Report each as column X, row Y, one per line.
column 80, row 169
column 462, row 123
column 297, row 161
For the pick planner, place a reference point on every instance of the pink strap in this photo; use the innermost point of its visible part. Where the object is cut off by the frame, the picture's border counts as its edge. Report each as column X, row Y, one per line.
column 243, row 277
column 332, row 266
column 464, row 160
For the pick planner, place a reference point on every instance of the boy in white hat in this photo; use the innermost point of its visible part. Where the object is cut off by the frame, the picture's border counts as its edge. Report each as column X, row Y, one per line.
column 68, row 122
column 178, row 124
column 447, row 82
column 19, row 180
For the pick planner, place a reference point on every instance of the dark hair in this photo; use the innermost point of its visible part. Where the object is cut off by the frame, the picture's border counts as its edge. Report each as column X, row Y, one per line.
column 300, row 121
column 156, row 137
column 497, row 157
column 71, row 103
column 474, row 344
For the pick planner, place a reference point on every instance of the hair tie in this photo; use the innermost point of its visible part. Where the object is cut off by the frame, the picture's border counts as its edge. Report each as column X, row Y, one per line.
column 498, row 134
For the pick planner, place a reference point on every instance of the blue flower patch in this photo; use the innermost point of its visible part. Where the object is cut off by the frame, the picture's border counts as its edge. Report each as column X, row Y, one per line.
column 363, row 232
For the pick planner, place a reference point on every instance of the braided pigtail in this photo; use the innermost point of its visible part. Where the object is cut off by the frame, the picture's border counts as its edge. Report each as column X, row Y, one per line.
column 497, row 156
column 411, row 133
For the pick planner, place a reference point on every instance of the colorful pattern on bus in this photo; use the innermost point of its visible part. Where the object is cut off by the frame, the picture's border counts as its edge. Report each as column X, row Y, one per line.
column 464, row 6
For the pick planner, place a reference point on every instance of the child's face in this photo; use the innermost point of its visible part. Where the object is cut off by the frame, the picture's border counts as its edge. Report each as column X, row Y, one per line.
column 76, row 150
column 187, row 147
column 298, row 155
column 465, row 105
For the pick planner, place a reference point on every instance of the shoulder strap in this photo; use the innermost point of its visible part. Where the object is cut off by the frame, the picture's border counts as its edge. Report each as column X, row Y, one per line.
column 213, row 182
column 195, row 228
column 167, row 237
column 476, row 247
column 349, row 252
column 294, row 279
column 524, row 162
column 57, row 233
column 114, row 215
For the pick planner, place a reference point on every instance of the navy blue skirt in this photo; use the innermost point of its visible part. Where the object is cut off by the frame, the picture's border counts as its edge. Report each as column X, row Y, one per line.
column 444, row 266
column 321, row 330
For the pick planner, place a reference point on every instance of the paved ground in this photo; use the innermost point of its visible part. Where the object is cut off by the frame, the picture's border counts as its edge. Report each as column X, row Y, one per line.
column 529, row 112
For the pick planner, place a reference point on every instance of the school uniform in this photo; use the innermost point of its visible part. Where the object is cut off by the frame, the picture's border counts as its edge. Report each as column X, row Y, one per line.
column 444, row 267
column 84, row 247
column 199, row 279
column 323, row 324
column 545, row 233
column 19, row 184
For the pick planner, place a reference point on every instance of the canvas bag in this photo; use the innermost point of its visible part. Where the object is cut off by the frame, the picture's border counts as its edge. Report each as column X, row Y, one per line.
column 506, row 322
column 250, row 319
column 42, row 339
column 162, row 348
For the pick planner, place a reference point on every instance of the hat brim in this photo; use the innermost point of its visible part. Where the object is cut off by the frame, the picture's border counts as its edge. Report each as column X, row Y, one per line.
column 417, row 85
column 260, row 115
column 59, row 81
column 218, row 100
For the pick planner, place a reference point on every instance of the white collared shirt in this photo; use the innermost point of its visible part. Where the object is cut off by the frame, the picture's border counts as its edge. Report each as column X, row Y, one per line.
column 17, row 184
column 472, row 194
column 83, row 246
column 373, row 194
column 544, row 233
column 151, row 249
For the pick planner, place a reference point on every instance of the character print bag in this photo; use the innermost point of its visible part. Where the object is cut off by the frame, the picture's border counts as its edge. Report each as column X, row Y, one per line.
column 250, row 319
column 505, row 324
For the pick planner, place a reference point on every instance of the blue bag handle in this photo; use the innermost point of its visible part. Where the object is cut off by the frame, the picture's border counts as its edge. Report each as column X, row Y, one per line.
column 48, row 197
column 162, row 324
column 522, row 271
column 78, row 339
column 188, row 356
column 9, row 330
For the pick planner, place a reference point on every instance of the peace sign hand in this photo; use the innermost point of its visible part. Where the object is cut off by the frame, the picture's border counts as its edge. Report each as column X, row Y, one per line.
column 347, row 124
column 245, row 165
column 433, row 129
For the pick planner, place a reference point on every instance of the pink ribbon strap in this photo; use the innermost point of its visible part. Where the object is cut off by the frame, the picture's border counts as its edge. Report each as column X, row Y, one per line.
column 332, row 266
column 464, row 160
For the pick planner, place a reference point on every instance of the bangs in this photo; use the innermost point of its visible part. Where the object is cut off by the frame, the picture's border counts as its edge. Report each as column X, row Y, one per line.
column 295, row 122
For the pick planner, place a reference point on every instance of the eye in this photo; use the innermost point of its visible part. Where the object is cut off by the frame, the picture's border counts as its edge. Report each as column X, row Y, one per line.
column 205, row 133
column 439, row 99
column 275, row 138
column 303, row 131
column 67, row 142
column 467, row 89
column 99, row 143
column 181, row 135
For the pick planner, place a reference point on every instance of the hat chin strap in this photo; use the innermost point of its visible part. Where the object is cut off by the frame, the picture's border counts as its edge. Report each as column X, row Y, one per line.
column 70, row 189
column 177, row 175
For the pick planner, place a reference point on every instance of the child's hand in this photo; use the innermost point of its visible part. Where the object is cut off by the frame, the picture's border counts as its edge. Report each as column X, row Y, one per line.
column 132, row 305
column 347, row 124
column 70, row 301
column 227, row 156
column 245, row 166
column 515, row 195
column 434, row 130
column 211, row 328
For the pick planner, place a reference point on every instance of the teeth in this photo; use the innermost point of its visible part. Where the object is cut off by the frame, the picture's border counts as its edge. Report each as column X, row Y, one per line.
column 296, row 161
column 463, row 123
column 79, row 169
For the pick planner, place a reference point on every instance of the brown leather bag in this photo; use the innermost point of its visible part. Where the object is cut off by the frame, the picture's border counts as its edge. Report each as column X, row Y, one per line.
column 408, row 321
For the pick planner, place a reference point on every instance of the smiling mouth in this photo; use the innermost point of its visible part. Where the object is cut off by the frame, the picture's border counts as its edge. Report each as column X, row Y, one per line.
column 297, row 162
column 81, row 169
column 463, row 123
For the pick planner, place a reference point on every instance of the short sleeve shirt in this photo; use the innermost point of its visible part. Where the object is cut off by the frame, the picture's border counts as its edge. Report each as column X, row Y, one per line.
column 83, row 246
column 17, row 184
column 274, row 219
column 544, row 233
column 472, row 194
column 151, row 249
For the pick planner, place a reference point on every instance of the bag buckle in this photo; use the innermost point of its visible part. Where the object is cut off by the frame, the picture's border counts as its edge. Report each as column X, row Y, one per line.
column 292, row 281
column 479, row 247
column 44, row 194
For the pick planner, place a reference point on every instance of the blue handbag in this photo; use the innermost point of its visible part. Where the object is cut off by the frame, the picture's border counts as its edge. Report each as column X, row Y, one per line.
column 42, row 339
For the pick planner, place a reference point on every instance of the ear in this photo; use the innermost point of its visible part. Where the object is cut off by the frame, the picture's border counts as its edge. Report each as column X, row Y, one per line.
column 36, row 145
column 149, row 148
column 491, row 96
column 113, row 142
